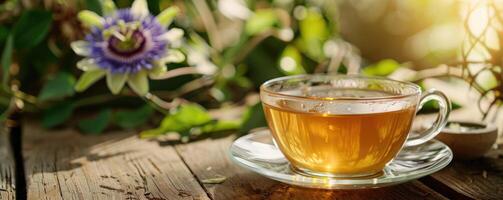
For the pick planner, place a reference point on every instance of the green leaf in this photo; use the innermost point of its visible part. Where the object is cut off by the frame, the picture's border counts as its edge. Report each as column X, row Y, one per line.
column 7, row 60
column 153, row 7
column 31, row 28
column 261, row 21
column 58, row 87
column 134, row 118
column 4, row 109
column 220, row 126
column 432, row 107
column 94, row 5
column 181, row 121
column 97, row 124
column 254, row 117
column 382, row 68
column 290, row 62
column 57, row 114
column 4, row 33
column 313, row 26
column 342, row 70
column 188, row 115
column 313, row 33
column 261, row 66
column 152, row 133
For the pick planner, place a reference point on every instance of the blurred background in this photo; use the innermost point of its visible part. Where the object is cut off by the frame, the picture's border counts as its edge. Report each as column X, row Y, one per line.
column 239, row 44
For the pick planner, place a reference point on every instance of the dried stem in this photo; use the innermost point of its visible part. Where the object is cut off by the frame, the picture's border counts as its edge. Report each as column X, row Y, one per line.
column 177, row 72
column 209, row 23
column 159, row 104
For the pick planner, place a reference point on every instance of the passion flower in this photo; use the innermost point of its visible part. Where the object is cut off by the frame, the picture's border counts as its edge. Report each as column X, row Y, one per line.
column 126, row 46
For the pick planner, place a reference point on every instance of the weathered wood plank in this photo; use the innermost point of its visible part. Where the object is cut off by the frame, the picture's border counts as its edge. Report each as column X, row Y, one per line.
column 7, row 187
column 477, row 179
column 208, row 159
column 67, row 165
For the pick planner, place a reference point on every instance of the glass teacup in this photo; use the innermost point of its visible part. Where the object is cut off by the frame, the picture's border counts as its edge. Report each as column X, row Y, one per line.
column 345, row 126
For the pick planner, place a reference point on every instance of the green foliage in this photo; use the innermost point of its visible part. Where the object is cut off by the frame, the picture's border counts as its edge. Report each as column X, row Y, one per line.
column 382, row 68
column 273, row 39
column 4, row 33
column 262, row 66
column 219, row 126
column 94, row 5
column 58, row 87
column 313, row 33
column 291, row 61
column 184, row 118
column 134, row 118
column 153, row 6
column 432, row 107
column 97, row 124
column 261, row 21
column 57, row 114
column 253, row 118
column 7, row 60
column 31, row 28
column 189, row 120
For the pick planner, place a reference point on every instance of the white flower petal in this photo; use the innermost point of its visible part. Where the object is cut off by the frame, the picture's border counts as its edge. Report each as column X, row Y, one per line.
column 166, row 16
column 108, row 7
column 206, row 68
column 116, row 81
column 88, row 78
column 234, row 9
column 139, row 82
column 173, row 56
column 81, row 48
column 87, row 64
column 90, row 19
column 140, row 8
column 173, row 34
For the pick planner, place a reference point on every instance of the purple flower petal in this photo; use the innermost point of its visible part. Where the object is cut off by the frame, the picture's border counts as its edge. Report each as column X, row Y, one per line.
column 131, row 52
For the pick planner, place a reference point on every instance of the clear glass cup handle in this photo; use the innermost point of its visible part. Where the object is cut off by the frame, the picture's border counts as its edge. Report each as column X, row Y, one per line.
column 444, row 110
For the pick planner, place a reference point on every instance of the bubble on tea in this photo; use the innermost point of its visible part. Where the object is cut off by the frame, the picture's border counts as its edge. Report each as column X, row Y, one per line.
column 318, row 108
column 291, row 105
column 349, row 108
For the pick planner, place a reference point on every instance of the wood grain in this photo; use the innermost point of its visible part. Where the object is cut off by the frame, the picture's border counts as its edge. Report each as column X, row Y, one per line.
column 67, row 165
column 7, row 187
column 208, row 159
column 476, row 179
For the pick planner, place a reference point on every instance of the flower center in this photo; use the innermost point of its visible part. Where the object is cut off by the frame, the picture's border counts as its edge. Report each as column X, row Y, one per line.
column 126, row 43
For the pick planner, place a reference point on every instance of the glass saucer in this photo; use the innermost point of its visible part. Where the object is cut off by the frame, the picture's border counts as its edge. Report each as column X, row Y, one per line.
column 257, row 152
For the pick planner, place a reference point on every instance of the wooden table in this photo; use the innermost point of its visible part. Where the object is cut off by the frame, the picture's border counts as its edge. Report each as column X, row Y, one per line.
column 64, row 164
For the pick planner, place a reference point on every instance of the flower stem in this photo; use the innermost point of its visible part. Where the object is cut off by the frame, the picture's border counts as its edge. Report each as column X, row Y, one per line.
column 177, row 72
column 209, row 23
column 159, row 104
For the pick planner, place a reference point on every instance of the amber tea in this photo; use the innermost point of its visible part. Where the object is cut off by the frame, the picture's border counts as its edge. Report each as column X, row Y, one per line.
column 346, row 126
column 339, row 143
